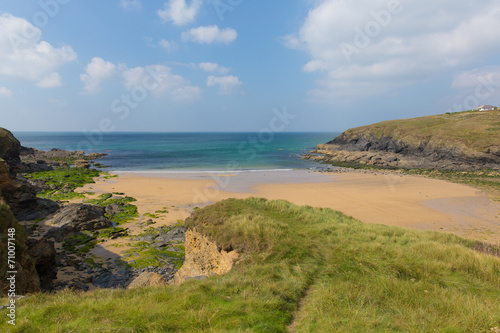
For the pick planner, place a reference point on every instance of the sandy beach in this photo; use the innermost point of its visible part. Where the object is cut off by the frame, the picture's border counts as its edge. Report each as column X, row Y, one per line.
column 390, row 199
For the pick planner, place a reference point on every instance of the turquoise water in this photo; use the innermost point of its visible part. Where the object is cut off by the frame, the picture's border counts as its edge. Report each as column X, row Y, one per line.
column 187, row 151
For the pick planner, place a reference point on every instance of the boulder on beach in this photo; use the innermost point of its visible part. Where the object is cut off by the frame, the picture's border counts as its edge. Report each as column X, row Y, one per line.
column 78, row 217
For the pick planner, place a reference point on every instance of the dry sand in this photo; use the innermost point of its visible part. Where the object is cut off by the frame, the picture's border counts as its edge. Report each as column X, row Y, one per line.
column 407, row 201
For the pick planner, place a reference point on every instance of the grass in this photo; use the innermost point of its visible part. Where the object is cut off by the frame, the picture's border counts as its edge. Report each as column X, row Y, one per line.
column 301, row 269
column 472, row 130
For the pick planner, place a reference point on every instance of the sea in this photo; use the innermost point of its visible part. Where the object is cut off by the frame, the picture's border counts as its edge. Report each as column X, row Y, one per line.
column 187, row 152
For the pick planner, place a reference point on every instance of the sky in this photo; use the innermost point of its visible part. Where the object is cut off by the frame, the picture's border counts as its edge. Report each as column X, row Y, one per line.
column 238, row 65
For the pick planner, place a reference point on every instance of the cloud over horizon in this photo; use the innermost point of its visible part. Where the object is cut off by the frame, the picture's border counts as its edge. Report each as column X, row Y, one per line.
column 387, row 45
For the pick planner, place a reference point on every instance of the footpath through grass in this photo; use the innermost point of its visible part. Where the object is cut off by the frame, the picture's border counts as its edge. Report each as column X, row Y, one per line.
column 300, row 269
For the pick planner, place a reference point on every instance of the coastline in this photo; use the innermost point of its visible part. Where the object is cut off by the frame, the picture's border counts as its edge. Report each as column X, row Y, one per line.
column 381, row 198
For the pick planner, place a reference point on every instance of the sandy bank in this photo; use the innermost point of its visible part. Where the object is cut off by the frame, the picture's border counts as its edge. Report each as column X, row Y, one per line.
column 413, row 202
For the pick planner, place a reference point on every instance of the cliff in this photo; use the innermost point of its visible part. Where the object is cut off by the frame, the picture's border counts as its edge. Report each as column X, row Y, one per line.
column 461, row 141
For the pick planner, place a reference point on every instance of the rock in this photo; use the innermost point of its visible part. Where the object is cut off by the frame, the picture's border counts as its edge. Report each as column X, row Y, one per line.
column 9, row 149
column 147, row 279
column 161, row 244
column 150, row 222
column 78, row 217
column 21, row 197
column 27, row 280
column 44, row 254
column 77, row 286
column 107, row 280
column 95, row 156
column 408, row 144
column 39, row 185
column 5, row 178
column 114, row 209
column 176, row 234
column 203, row 258
column 82, row 164
column 147, row 238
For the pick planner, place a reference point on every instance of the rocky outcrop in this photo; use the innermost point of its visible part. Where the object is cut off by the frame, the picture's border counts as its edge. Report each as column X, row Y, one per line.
column 20, row 195
column 27, row 280
column 75, row 218
column 38, row 160
column 43, row 253
column 147, row 279
column 9, row 148
column 203, row 258
column 436, row 142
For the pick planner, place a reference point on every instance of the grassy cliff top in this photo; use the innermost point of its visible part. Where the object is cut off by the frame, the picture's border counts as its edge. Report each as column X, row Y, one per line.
column 302, row 269
column 473, row 129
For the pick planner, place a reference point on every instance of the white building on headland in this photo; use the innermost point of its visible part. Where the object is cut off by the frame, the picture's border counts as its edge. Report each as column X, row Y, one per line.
column 485, row 108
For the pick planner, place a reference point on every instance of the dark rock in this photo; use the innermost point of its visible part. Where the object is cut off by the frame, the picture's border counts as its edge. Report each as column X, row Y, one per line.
column 77, row 286
column 108, row 280
column 114, row 209
column 44, row 254
column 27, row 280
column 20, row 195
column 78, row 217
column 161, row 244
column 147, row 238
column 176, row 234
column 9, row 149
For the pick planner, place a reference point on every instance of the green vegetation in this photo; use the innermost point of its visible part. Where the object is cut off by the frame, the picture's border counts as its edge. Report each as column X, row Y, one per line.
column 81, row 243
column 73, row 177
column 112, row 233
column 128, row 212
column 142, row 255
column 65, row 181
column 469, row 130
column 300, row 269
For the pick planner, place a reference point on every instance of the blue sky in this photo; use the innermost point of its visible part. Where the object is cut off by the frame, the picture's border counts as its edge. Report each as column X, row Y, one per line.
column 228, row 65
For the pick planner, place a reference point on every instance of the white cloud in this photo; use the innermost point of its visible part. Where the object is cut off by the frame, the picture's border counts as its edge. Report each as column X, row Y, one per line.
column 23, row 55
column 160, row 81
column 131, row 4
column 209, row 35
column 227, row 84
column 5, row 92
column 168, row 46
column 98, row 71
column 488, row 77
column 213, row 68
column 374, row 46
column 179, row 12
column 52, row 80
